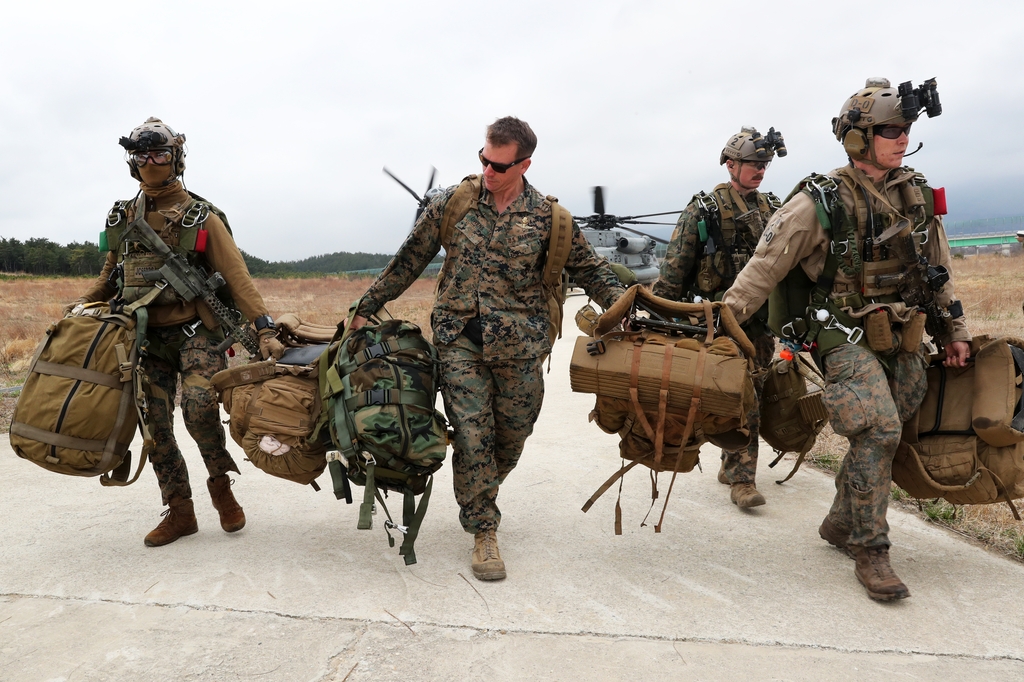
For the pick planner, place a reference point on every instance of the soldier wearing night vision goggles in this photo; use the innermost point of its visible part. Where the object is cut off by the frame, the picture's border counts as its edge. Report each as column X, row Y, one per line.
column 858, row 268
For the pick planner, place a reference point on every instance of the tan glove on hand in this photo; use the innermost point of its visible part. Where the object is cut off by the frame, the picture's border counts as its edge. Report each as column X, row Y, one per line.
column 269, row 345
column 66, row 310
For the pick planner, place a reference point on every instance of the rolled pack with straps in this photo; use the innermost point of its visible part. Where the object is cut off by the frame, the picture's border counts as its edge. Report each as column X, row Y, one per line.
column 681, row 374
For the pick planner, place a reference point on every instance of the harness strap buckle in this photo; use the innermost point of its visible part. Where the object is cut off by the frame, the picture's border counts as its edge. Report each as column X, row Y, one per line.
column 190, row 329
column 391, row 525
column 845, row 244
column 195, row 215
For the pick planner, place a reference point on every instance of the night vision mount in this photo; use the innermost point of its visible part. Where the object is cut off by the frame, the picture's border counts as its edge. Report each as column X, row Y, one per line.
column 148, row 139
column 764, row 145
column 913, row 100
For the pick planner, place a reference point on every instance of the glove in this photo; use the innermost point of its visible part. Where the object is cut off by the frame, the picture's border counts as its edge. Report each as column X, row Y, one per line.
column 66, row 310
column 269, row 345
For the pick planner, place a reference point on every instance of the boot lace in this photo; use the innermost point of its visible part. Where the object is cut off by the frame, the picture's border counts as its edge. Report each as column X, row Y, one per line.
column 490, row 543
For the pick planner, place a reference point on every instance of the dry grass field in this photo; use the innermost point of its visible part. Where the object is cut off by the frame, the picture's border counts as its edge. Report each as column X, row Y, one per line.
column 990, row 286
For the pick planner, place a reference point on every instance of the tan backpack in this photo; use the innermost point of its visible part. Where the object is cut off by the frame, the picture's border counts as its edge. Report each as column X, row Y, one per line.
column 791, row 416
column 466, row 197
column 81, row 403
column 663, row 392
column 965, row 444
column 275, row 404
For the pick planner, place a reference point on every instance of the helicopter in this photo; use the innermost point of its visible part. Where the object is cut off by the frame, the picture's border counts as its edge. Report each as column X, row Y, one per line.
column 427, row 195
column 607, row 234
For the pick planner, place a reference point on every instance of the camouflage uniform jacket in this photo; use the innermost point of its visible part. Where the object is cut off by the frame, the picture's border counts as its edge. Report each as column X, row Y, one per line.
column 492, row 269
column 163, row 213
column 794, row 237
column 687, row 270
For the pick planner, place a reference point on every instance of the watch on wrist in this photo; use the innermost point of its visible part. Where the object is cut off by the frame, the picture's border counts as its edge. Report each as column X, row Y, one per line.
column 263, row 322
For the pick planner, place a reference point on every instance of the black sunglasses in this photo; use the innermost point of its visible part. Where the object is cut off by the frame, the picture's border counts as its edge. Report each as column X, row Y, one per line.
column 892, row 132
column 759, row 165
column 498, row 167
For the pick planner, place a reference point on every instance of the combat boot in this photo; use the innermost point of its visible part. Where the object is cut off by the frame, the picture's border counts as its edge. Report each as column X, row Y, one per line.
column 232, row 517
column 487, row 563
column 745, row 495
column 875, row 573
column 835, row 537
column 179, row 520
column 722, row 478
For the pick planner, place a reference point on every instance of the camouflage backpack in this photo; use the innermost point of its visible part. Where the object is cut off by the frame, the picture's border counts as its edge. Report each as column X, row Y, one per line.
column 378, row 387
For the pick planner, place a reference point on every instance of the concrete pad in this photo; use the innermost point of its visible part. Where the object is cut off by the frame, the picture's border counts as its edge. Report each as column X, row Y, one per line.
column 300, row 594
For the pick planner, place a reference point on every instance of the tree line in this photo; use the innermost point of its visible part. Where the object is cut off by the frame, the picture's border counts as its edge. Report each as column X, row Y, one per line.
column 41, row 256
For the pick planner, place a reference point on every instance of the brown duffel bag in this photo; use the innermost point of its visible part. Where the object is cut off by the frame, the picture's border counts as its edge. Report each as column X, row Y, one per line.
column 960, row 445
column 275, row 404
column 662, row 391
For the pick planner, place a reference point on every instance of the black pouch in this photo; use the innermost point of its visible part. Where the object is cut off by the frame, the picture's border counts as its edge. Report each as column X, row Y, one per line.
column 473, row 332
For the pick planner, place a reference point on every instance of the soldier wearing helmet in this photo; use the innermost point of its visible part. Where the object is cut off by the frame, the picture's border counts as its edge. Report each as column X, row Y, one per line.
column 714, row 238
column 182, row 336
column 849, row 236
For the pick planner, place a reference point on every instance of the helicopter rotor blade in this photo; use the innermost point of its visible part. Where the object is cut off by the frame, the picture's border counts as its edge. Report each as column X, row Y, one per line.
column 644, row 234
column 430, row 182
column 650, row 215
column 644, row 222
column 407, row 188
column 599, row 200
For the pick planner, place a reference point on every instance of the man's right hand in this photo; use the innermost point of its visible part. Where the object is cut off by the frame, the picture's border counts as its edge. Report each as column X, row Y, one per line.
column 357, row 322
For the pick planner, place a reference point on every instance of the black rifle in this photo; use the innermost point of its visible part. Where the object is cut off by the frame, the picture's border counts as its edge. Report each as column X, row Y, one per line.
column 191, row 283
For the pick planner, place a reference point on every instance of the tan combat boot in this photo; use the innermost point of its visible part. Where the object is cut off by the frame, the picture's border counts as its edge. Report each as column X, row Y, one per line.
column 487, row 563
column 722, row 478
column 835, row 537
column 179, row 520
column 876, row 575
column 232, row 517
column 745, row 495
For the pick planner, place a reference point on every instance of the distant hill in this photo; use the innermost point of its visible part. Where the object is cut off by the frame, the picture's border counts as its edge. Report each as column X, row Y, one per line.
column 40, row 256
column 329, row 263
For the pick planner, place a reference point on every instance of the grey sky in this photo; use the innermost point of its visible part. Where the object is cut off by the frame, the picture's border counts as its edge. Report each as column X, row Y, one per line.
column 291, row 109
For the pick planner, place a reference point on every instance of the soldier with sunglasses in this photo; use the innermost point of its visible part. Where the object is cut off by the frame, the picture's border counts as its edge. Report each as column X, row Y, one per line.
column 182, row 336
column 857, row 237
column 490, row 321
column 714, row 238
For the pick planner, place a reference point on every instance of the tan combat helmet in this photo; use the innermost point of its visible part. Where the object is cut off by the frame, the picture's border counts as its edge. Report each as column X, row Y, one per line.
column 876, row 104
column 155, row 134
column 749, row 145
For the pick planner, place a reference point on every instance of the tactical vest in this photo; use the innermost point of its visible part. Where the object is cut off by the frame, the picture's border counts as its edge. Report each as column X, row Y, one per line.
column 729, row 231
column 185, row 235
column 466, row 197
column 794, row 302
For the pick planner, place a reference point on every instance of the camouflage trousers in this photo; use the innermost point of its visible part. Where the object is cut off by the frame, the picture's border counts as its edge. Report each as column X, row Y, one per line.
column 869, row 408
column 492, row 407
column 197, row 362
column 741, row 465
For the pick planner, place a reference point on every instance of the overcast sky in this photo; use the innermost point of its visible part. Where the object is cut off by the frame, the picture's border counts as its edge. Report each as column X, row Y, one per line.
column 292, row 109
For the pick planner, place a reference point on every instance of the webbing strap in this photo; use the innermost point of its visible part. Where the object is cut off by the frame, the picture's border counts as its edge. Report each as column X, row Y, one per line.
column 1018, row 360
column 559, row 244
column 366, row 508
column 691, row 416
column 634, row 392
column 392, row 396
column 666, row 375
column 413, row 520
column 78, row 373
column 608, row 484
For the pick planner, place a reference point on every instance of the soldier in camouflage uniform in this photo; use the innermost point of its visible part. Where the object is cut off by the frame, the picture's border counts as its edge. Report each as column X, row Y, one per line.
column 182, row 336
column 875, row 381
column 714, row 238
column 490, row 322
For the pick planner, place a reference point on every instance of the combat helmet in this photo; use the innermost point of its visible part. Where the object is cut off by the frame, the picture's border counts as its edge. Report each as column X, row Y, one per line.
column 876, row 104
column 155, row 134
column 750, row 145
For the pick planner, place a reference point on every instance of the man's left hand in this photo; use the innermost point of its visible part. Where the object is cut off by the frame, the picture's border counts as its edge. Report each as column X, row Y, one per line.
column 957, row 353
column 269, row 344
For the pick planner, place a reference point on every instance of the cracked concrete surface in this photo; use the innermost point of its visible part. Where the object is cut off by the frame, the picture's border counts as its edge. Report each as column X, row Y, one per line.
column 300, row 594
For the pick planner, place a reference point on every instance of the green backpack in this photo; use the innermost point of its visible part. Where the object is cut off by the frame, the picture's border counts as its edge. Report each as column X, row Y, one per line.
column 378, row 387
